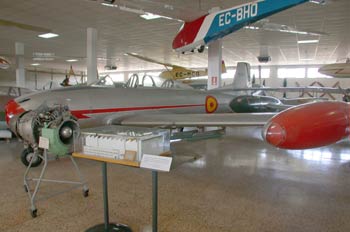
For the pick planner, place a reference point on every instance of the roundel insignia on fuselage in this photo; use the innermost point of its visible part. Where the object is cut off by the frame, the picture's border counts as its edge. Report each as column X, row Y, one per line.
column 211, row 104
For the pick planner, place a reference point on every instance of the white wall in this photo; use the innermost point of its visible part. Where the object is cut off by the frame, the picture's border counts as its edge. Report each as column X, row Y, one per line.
column 7, row 77
column 33, row 81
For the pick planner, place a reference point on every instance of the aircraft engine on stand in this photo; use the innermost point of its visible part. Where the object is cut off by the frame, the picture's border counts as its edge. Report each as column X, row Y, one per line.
column 56, row 124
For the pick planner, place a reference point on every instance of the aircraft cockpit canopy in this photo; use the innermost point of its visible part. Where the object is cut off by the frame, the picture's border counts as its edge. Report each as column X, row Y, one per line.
column 107, row 81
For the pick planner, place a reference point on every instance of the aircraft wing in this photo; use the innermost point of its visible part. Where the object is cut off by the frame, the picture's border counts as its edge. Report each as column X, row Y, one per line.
column 151, row 60
column 188, row 120
column 298, row 89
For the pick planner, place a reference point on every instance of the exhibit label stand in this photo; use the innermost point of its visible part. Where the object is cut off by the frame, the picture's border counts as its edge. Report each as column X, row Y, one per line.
column 130, row 146
column 155, row 163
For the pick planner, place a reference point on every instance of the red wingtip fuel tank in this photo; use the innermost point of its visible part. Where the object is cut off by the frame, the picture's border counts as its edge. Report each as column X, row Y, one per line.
column 308, row 126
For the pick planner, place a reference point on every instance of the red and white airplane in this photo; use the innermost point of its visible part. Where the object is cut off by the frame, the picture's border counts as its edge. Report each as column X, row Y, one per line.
column 96, row 106
column 4, row 64
column 7, row 93
column 210, row 27
column 128, row 106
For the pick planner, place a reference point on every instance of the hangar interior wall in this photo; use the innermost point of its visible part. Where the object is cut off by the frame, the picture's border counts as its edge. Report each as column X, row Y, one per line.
column 40, row 80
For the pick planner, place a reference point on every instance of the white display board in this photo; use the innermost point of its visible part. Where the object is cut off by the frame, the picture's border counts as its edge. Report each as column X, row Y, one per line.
column 158, row 163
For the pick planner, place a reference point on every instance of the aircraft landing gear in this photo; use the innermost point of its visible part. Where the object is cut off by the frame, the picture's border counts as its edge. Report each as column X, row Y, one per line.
column 85, row 192
column 201, row 49
column 34, row 213
column 27, row 155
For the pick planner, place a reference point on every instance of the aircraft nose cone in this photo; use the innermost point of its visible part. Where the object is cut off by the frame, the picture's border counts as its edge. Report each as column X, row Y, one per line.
column 66, row 132
column 274, row 134
column 12, row 108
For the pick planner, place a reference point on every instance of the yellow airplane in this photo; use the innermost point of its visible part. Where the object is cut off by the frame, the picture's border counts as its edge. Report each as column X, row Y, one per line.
column 4, row 63
column 337, row 70
column 177, row 72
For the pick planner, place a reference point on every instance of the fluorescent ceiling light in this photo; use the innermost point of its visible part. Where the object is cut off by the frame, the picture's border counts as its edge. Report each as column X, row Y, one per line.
column 150, row 16
column 306, row 59
column 308, row 41
column 48, row 35
column 43, row 58
column 35, row 64
column 43, row 54
column 108, row 4
column 72, row 60
column 131, row 10
column 321, row 2
column 252, row 27
column 143, row 14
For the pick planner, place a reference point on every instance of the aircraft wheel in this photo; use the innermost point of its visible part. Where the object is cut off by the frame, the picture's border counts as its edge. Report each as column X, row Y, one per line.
column 86, row 193
column 201, row 49
column 27, row 155
column 34, row 213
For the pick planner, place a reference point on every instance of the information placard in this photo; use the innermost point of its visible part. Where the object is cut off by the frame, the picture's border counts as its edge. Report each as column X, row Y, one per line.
column 44, row 142
column 155, row 162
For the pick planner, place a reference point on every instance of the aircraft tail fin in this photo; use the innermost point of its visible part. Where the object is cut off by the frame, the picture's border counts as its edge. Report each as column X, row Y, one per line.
column 242, row 76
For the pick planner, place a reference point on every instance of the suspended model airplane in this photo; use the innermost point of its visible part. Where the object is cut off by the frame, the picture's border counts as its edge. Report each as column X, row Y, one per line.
column 338, row 70
column 196, row 34
column 4, row 64
column 177, row 72
column 23, row 26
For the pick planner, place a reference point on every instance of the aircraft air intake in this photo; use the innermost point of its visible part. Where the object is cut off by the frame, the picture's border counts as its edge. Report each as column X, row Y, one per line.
column 12, row 109
column 254, row 104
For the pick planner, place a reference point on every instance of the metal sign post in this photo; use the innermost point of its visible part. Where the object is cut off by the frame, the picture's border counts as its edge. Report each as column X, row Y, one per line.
column 154, row 201
column 106, row 226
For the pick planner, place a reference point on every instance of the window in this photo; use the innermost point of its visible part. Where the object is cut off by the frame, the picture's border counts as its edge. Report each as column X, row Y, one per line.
column 313, row 73
column 291, row 72
column 230, row 73
column 265, row 73
column 153, row 74
column 117, row 77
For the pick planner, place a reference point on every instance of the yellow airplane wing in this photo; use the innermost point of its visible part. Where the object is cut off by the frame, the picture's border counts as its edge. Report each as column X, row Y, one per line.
column 23, row 26
column 151, row 60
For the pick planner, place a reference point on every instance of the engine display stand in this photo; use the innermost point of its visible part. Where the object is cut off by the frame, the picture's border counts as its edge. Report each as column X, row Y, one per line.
column 33, row 194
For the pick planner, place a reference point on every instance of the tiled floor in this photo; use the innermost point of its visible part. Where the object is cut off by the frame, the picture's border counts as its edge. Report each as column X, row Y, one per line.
column 238, row 183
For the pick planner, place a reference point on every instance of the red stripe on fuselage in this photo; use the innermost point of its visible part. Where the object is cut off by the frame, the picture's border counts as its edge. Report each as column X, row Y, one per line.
column 81, row 114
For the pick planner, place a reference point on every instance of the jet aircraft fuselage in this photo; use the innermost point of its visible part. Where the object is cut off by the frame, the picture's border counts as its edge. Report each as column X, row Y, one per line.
column 97, row 105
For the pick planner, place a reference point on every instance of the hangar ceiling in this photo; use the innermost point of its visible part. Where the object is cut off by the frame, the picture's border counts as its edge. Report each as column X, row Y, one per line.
column 120, row 32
